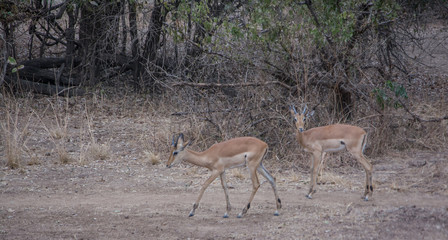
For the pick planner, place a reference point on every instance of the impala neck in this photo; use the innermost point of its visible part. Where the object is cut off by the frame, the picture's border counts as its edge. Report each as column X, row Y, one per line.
column 197, row 158
column 300, row 135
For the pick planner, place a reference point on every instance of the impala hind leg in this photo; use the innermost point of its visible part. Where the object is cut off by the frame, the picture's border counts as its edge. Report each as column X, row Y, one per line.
column 271, row 180
column 321, row 167
column 368, row 168
column 369, row 183
column 214, row 175
column 255, row 186
column 224, row 186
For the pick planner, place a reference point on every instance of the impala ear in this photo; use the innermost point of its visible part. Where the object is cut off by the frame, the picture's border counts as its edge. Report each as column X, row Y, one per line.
column 180, row 140
column 310, row 114
column 189, row 143
column 186, row 145
column 293, row 112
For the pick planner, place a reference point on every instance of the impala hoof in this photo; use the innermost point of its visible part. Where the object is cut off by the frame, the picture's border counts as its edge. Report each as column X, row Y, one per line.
column 366, row 198
column 276, row 213
column 225, row 216
column 309, row 196
column 191, row 215
column 239, row 215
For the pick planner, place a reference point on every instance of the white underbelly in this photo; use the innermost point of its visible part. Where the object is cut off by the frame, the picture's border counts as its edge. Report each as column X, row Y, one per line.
column 341, row 147
column 236, row 161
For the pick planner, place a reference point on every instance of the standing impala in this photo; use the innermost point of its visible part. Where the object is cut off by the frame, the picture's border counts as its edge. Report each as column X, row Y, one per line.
column 238, row 152
column 332, row 138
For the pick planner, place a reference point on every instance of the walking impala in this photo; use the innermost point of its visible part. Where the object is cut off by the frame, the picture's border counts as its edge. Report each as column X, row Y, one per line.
column 238, row 152
column 332, row 138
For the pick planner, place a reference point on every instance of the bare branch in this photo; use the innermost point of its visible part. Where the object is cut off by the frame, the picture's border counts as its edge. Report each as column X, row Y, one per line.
column 224, row 85
column 419, row 118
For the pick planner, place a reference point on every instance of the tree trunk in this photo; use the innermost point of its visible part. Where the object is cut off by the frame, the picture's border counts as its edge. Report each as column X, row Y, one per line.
column 135, row 45
column 98, row 35
column 152, row 42
column 87, row 41
column 9, row 36
column 124, row 37
column 70, row 35
column 153, row 36
column 109, row 26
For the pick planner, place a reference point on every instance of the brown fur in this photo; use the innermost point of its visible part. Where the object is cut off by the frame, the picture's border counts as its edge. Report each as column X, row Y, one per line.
column 333, row 138
column 237, row 152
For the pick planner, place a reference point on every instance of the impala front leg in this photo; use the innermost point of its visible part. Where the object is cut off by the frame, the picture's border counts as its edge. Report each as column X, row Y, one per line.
column 206, row 184
column 316, row 158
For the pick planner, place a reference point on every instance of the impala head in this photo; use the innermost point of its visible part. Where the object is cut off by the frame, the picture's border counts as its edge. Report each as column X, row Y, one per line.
column 299, row 118
column 177, row 150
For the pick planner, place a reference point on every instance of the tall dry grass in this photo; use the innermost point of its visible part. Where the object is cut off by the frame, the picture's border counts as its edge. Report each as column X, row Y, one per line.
column 214, row 115
column 14, row 130
column 55, row 119
column 94, row 150
column 147, row 124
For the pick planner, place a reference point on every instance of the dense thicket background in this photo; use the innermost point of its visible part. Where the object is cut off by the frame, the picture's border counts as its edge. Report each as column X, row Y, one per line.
column 92, row 92
column 220, row 69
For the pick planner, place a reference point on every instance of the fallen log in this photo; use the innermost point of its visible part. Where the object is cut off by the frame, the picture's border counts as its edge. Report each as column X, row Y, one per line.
column 48, row 62
column 41, row 88
column 39, row 75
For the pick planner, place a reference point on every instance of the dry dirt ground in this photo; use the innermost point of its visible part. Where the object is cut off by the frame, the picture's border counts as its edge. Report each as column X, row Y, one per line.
column 130, row 200
column 126, row 197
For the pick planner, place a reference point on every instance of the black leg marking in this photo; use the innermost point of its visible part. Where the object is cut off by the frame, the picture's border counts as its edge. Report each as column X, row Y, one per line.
column 279, row 201
column 371, row 188
column 248, row 206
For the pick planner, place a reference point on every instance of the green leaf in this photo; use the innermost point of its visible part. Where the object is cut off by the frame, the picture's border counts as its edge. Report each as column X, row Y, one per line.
column 12, row 61
column 14, row 70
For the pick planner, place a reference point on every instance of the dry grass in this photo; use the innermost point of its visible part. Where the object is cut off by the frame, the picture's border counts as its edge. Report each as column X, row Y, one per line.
column 63, row 156
column 147, row 125
column 34, row 159
column 329, row 177
column 57, row 127
column 238, row 173
column 15, row 131
column 295, row 177
column 58, row 133
column 98, row 151
column 152, row 158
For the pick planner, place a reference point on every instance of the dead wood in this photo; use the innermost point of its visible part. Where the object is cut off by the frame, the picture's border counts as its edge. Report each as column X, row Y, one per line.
column 225, row 85
column 46, row 76
column 48, row 62
column 41, row 88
